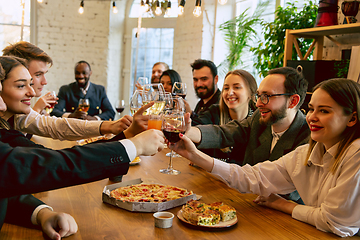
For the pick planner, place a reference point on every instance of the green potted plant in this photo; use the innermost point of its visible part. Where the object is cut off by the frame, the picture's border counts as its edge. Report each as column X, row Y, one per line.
column 237, row 34
column 269, row 53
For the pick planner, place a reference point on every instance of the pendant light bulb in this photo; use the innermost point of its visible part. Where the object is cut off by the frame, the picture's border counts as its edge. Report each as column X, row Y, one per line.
column 197, row 10
column 115, row 10
column 168, row 10
column 81, row 8
column 181, row 7
column 222, row 2
column 40, row 1
column 147, row 5
column 142, row 6
column 158, row 10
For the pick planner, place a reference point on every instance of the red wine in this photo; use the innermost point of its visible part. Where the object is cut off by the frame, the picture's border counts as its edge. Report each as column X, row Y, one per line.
column 183, row 95
column 172, row 135
column 120, row 109
column 52, row 105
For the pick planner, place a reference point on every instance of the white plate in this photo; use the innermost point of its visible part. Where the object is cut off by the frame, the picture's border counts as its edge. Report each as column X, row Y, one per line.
column 221, row 224
column 137, row 160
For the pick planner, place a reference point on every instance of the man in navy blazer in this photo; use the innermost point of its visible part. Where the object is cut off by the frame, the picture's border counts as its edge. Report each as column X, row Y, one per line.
column 69, row 96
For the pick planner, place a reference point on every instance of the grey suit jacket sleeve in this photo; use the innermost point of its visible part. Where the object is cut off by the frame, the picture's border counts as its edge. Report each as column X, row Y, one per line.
column 221, row 136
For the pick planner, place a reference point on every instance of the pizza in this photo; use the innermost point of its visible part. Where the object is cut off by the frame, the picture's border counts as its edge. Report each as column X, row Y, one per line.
column 149, row 193
column 207, row 214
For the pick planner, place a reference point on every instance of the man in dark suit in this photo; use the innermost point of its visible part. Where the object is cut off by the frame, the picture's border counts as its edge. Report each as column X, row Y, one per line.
column 69, row 96
column 276, row 127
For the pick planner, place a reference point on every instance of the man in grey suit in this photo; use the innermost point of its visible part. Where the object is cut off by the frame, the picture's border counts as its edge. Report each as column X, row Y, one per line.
column 276, row 127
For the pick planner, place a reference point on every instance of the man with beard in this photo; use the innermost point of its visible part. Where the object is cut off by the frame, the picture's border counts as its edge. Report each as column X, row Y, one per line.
column 276, row 128
column 69, row 96
column 205, row 84
column 157, row 70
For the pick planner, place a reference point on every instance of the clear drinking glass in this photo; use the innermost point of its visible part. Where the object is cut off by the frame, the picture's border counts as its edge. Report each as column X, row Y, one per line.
column 84, row 105
column 173, row 124
column 49, row 109
column 136, row 101
column 120, row 106
column 179, row 89
column 154, row 93
column 179, row 105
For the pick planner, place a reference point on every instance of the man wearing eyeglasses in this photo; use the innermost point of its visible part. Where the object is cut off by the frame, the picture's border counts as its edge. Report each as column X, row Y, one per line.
column 276, row 127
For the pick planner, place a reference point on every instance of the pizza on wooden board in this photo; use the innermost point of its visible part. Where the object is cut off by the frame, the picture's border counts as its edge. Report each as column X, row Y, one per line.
column 207, row 214
column 149, row 193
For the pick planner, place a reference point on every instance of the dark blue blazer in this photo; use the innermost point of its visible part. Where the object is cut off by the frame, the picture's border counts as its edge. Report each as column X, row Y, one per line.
column 26, row 167
column 69, row 96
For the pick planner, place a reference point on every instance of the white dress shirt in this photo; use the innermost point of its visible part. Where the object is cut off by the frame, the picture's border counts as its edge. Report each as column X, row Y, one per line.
column 332, row 201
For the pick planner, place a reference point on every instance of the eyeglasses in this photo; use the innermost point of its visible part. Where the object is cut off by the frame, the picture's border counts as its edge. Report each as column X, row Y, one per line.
column 264, row 98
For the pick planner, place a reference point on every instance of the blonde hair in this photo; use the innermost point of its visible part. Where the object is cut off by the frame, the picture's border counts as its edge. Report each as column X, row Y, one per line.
column 346, row 93
column 252, row 87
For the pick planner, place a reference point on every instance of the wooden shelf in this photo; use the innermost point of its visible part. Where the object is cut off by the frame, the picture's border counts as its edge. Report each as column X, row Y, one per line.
column 318, row 34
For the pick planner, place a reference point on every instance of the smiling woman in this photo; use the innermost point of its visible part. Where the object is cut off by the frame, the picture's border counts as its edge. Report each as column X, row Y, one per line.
column 16, row 88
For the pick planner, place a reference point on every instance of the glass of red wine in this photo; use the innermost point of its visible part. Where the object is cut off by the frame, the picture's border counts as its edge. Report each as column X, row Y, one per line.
column 179, row 89
column 120, row 106
column 173, row 124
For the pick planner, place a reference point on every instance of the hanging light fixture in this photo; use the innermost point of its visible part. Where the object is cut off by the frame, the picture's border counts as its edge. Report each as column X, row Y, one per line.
column 115, row 10
column 81, row 8
column 222, row 2
column 168, row 10
column 197, row 10
column 181, row 7
column 40, row 1
column 158, row 10
column 147, row 5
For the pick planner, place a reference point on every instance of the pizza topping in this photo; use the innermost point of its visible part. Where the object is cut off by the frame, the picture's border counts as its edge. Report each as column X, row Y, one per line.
column 149, row 193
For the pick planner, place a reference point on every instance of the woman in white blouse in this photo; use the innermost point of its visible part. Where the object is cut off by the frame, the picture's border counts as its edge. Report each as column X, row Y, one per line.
column 325, row 172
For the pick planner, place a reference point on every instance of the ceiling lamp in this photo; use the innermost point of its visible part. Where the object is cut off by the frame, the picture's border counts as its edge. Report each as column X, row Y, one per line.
column 197, row 10
column 168, row 10
column 222, row 2
column 115, row 10
column 181, row 7
column 40, row 1
column 158, row 10
column 81, row 8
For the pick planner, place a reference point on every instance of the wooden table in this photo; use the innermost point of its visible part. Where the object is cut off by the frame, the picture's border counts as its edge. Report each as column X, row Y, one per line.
column 98, row 220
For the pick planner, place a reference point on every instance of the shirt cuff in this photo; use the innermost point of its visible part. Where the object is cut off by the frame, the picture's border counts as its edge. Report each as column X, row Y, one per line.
column 130, row 148
column 98, row 118
column 36, row 211
column 221, row 170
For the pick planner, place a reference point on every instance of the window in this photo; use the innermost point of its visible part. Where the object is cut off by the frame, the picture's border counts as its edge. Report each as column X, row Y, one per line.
column 155, row 45
column 11, row 15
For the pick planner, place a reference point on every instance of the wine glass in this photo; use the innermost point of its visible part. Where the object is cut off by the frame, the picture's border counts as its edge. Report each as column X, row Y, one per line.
column 154, row 93
column 120, row 106
column 179, row 89
column 143, row 81
column 173, row 124
column 49, row 109
column 136, row 101
column 179, row 105
column 84, row 105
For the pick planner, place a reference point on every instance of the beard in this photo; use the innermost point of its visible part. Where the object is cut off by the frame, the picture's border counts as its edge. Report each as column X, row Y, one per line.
column 275, row 116
column 206, row 94
column 155, row 80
